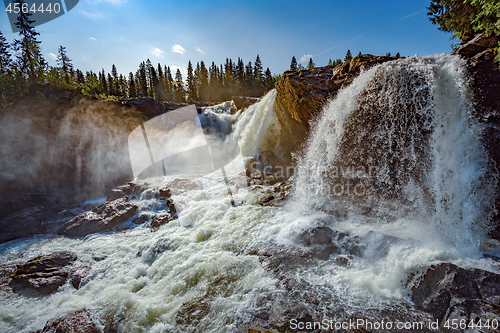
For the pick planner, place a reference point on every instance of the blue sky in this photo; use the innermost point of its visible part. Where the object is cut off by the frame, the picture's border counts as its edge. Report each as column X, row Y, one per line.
column 99, row 33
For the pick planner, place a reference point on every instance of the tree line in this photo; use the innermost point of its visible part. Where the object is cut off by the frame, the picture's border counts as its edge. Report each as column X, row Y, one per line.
column 294, row 66
column 22, row 64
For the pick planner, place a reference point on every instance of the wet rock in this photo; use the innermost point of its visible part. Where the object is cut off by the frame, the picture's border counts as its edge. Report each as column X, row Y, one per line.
column 276, row 194
column 192, row 312
column 141, row 219
column 25, row 223
column 78, row 274
column 242, row 102
column 102, row 218
column 305, row 92
column 80, row 321
column 485, row 82
column 161, row 219
column 164, row 193
column 148, row 106
column 158, row 248
column 318, row 235
column 120, row 192
column 450, row 292
column 44, row 274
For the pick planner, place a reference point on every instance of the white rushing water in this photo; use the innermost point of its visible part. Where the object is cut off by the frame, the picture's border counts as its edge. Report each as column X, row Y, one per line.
column 209, row 278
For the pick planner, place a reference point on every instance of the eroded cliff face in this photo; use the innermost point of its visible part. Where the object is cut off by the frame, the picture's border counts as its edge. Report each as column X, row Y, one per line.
column 305, row 92
column 485, row 83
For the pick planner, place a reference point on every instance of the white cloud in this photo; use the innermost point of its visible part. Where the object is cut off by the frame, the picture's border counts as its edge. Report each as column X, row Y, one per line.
column 178, row 49
column 305, row 57
column 93, row 38
column 92, row 16
column 200, row 50
column 157, row 52
column 53, row 56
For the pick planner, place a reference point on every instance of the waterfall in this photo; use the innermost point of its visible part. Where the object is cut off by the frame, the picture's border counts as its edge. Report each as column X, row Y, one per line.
column 403, row 134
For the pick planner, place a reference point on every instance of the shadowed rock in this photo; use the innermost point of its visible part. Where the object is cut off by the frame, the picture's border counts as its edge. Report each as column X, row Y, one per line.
column 45, row 274
column 103, row 218
column 450, row 292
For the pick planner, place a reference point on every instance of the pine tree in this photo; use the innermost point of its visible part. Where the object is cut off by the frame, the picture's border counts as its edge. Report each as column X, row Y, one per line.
column 122, row 86
column 64, row 63
column 293, row 64
column 132, row 90
column 149, row 79
column 191, row 83
column 179, row 87
column 330, row 62
column 388, row 54
column 240, row 75
column 154, row 83
column 30, row 62
column 142, row 79
column 311, row 64
column 111, row 85
column 257, row 68
column 103, row 83
column 203, row 82
column 160, row 72
column 360, row 54
column 5, row 60
column 398, row 55
column 348, row 56
column 169, row 85
column 268, row 79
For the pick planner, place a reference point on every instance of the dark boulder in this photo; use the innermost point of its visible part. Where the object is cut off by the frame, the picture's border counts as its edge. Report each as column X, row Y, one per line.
column 78, row 274
column 318, row 235
column 102, row 218
column 26, row 223
column 449, row 292
column 80, row 321
column 45, row 274
column 148, row 106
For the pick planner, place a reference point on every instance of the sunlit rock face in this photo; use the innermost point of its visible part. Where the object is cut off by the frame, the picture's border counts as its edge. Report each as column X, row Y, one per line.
column 304, row 92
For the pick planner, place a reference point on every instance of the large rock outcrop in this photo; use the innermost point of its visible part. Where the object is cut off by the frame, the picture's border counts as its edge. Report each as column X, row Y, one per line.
column 485, row 82
column 306, row 91
column 449, row 293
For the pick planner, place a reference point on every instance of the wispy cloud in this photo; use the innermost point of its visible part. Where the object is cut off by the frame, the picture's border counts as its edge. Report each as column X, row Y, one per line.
column 93, row 38
column 53, row 56
column 157, row 52
column 178, row 49
column 200, row 50
column 92, row 16
column 305, row 57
